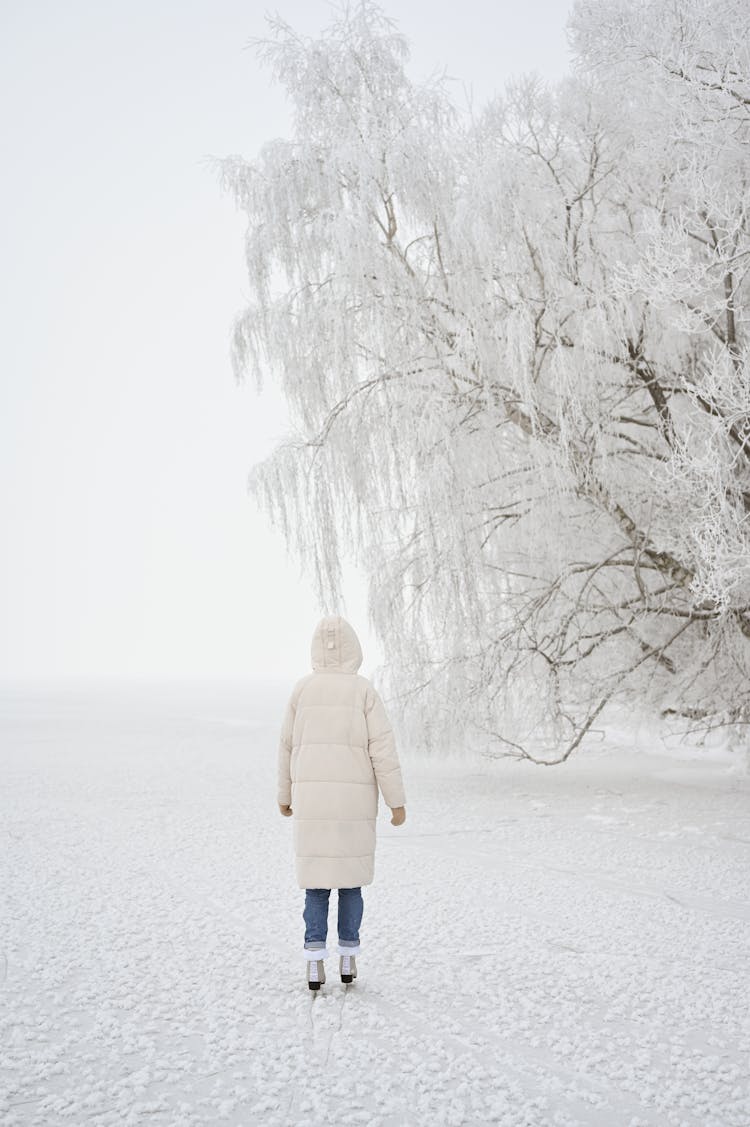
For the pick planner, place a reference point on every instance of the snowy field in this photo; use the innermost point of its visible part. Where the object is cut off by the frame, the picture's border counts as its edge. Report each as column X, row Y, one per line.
column 540, row 946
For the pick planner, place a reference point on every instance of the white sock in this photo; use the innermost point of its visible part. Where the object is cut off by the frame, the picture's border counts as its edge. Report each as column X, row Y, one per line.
column 348, row 950
column 316, row 953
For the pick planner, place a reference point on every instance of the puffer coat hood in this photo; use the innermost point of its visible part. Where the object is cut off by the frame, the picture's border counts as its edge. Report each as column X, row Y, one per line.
column 335, row 647
column 336, row 753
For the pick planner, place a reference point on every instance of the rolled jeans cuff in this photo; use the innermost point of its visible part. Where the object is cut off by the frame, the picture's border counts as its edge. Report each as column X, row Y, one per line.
column 345, row 948
column 313, row 953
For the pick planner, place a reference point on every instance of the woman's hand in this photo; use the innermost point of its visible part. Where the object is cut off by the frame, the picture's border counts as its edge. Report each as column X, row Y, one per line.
column 399, row 815
column 285, row 810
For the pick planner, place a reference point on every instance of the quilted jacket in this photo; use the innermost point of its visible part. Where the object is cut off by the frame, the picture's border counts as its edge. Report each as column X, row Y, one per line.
column 336, row 750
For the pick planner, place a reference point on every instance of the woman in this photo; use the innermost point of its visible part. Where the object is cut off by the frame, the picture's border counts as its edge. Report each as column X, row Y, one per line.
column 336, row 750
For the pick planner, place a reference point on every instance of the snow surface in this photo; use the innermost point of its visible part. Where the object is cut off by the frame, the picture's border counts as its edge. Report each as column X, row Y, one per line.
column 541, row 946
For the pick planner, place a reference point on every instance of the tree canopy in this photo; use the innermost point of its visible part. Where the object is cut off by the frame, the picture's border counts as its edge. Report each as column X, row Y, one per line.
column 514, row 349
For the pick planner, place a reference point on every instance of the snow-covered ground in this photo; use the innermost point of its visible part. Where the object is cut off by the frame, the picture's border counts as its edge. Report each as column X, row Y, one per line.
column 540, row 946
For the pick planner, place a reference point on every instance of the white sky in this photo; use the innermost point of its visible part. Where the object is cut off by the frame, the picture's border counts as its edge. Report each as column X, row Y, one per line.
column 130, row 545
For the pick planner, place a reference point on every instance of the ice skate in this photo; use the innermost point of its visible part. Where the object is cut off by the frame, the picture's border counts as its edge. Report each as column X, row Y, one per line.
column 316, row 971
column 348, row 963
column 347, row 968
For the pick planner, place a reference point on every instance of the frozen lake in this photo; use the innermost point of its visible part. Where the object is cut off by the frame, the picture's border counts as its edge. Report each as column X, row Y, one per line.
column 540, row 946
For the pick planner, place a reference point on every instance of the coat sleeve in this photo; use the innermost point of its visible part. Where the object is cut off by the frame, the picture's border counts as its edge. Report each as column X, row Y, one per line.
column 284, row 785
column 382, row 750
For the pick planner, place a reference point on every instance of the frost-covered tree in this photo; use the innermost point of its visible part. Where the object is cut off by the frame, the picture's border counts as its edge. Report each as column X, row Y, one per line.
column 514, row 353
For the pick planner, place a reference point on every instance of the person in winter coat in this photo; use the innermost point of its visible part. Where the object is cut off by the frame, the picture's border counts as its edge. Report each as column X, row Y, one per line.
column 336, row 750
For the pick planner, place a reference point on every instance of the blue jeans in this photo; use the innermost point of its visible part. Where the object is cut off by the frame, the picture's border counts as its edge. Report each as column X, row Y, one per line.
column 315, row 916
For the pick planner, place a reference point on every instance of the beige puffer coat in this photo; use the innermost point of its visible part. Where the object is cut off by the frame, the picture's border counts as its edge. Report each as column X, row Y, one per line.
column 336, row 749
